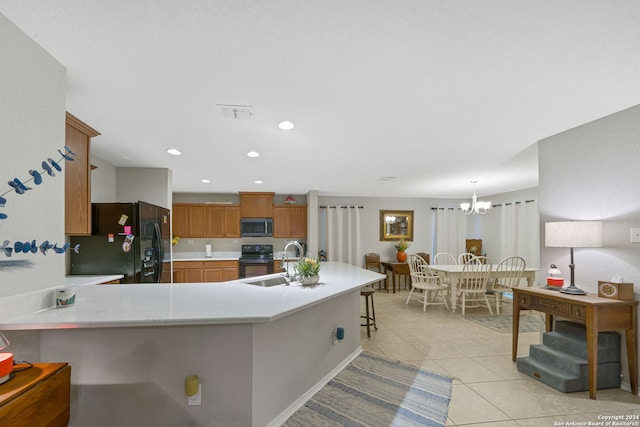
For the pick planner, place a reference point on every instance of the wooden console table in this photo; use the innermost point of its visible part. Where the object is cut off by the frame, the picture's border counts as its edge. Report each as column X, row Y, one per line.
column 596, row 313
column 37, row 397
column 398, row 270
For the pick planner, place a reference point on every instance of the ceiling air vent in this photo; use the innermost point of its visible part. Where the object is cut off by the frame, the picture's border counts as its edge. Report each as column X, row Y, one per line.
column 235, row 112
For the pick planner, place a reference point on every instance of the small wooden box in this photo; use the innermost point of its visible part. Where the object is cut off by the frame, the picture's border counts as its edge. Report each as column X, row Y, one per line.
column 619, row 291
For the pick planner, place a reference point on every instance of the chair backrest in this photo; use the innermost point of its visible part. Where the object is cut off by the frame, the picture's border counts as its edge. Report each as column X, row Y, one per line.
column 420, row 272
column 372, row 261
column 424, row 256
column 509, row 271
column 444, row 258
column 465, row 258
column 480, row 260
column 474, row 276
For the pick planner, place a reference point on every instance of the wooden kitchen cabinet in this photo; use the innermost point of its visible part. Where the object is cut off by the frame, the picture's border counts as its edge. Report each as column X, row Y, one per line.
column 37, row 397
column 223, row 221
column 188, row 272
column 203, row 220
column 189, row 220
column 204, row 271
column 77, row 182
column 256, row 205
column 290, row 221
column 220, row 271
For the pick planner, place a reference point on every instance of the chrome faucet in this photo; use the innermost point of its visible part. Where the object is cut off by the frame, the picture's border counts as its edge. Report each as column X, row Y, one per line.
column 286, row 260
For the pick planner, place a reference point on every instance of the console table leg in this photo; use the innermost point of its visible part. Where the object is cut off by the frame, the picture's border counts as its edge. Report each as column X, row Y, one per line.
column 592, row 351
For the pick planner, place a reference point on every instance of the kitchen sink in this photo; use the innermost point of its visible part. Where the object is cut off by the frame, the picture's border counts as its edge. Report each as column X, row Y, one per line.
column 273, row 281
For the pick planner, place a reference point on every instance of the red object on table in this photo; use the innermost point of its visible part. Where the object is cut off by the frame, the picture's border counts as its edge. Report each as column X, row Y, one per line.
column 6, row 364
column 555, row 282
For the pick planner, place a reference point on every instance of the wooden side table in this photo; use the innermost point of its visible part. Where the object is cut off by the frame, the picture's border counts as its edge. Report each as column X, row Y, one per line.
column 596, row 313
column 37, row 397
column 397, row 269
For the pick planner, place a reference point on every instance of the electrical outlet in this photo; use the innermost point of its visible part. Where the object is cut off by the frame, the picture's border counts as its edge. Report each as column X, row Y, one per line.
column 190, row 241
column 196, row 399
column 635, row 235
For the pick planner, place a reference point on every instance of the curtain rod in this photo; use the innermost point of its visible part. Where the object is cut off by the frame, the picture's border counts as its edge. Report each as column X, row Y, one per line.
column 343, row 207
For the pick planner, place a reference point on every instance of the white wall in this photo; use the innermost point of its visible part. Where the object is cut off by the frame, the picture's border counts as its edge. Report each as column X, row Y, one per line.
column 103, row 181
column 32, row 128
column 591, row 173
column 485, row 227
column 151, row 185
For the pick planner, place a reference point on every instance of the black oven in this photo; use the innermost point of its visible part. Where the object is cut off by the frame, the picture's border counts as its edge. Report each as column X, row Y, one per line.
column 255, row 260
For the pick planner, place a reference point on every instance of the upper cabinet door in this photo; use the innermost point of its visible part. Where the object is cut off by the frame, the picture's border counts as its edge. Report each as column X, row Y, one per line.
column 290, row 221
column 256, row 205
column 77, row 180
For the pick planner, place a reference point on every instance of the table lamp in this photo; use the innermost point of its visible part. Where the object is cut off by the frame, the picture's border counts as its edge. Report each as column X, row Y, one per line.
column 6, row 360
column 573, row 234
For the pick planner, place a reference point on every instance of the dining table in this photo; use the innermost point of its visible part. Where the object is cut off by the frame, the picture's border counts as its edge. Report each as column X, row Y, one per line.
column 453, row 272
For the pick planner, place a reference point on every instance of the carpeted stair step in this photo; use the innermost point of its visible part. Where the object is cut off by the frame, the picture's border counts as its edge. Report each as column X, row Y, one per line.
column 579, row 331
column 608, row 375
column 560, row 360
column 608, row 345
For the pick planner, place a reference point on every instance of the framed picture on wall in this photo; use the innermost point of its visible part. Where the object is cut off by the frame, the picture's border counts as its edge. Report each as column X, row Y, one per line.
column 396, row 225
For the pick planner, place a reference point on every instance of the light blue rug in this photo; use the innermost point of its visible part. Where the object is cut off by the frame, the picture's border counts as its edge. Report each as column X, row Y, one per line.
column 503, row 323
column 373, row 391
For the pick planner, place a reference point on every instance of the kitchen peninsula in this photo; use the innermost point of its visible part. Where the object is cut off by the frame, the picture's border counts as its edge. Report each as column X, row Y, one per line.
column 259, row 352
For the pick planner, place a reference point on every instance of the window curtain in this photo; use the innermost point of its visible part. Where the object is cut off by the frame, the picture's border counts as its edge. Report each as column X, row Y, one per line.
column 450, row 228
column 519, row 231
column 341, row 234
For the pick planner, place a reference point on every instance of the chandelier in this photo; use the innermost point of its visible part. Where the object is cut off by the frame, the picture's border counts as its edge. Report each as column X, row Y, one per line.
column 475, row 207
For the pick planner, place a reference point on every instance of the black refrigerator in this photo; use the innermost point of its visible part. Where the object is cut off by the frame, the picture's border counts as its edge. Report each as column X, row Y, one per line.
column 126, row 238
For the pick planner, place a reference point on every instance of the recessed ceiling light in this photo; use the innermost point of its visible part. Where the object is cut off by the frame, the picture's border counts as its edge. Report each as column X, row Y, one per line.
column 388, row 178
column 286, row 125
column 174, row 151
column 257, row 181
column 206, row 181
column 253, row 154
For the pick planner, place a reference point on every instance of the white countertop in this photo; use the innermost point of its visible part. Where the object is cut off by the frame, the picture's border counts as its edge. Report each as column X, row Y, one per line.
column 91, row 280
column 192, row 303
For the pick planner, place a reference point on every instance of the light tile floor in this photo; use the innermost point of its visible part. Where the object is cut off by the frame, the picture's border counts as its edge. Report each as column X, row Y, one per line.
column 488, row 390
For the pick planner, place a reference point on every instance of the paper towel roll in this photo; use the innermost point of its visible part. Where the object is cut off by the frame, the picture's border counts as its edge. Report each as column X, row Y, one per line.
column 207, row 251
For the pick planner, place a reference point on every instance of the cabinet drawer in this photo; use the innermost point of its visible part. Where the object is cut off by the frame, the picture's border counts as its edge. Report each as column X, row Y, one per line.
column 550, row 306
column 220, row 264
column 524, row 301
column 187, row 264
column 578, row 311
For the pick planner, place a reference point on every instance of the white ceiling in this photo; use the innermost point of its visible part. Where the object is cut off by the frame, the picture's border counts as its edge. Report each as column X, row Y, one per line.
column 434, row 93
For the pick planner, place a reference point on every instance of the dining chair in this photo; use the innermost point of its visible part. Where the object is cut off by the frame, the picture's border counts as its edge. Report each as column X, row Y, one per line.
column 472, row 287
column 372, row 262
column 465, row 257
column 424, row 256
column 507, row 276
column 444, row 258
column 422, row 278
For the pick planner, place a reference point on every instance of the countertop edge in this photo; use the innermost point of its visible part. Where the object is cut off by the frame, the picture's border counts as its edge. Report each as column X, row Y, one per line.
column 225, row 303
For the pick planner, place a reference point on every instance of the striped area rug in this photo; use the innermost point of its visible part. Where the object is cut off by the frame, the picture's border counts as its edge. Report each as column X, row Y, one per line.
column 373, row 392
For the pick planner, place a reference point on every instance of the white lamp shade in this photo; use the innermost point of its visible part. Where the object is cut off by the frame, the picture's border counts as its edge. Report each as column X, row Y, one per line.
column 573, row 234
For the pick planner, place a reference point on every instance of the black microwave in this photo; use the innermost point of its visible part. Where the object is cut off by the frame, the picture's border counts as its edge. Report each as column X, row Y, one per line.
column 256, row 227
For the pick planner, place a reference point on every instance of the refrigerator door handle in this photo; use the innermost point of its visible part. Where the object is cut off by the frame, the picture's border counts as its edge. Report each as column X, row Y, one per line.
column 157, row 239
